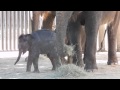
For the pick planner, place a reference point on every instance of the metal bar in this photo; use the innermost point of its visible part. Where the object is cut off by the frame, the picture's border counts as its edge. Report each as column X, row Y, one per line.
column 4, row 31
column 15, row 30
column 11, row 30
column 19, row 22
column 26, row 22
column 22, row 22
column 1, row 31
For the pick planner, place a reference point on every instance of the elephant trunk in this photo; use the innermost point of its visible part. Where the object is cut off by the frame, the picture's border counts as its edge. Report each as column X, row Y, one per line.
column 62, row 19
column 20, row 52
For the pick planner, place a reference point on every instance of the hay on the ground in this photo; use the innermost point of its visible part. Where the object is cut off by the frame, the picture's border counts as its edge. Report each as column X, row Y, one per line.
column 69, row 70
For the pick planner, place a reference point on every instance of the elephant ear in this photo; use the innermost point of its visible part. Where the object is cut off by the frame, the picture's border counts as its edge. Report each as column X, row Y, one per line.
column 28, row 37
column 21, row 38
column 24, row 38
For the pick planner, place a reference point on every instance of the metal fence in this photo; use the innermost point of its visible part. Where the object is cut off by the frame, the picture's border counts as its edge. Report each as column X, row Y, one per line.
column 12, row 24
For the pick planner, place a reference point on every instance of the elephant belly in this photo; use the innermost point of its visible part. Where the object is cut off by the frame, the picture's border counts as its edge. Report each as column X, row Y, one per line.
column 46, row 49
column 44, row 41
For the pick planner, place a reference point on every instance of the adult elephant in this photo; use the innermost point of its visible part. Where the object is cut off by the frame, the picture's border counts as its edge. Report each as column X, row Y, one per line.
column 91, row 20
column 48, row 19
column 73, row 21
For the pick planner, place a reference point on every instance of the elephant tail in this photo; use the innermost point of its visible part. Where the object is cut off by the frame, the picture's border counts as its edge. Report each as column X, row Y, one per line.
column 103, row 40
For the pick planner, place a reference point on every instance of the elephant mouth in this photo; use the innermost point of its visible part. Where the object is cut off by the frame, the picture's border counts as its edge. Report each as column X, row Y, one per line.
column 23, row 51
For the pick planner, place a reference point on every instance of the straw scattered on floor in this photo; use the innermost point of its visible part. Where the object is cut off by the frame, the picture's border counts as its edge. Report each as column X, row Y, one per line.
column 69, row 71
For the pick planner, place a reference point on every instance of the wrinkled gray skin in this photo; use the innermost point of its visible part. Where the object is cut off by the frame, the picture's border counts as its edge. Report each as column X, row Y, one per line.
column 41, row 42
column 91, row 20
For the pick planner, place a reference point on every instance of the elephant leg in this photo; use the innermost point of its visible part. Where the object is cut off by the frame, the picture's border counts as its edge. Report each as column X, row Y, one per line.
column 112, row 34
column 75, row 40
column 78, row 50
column 70, row 60
column 54, row 60
column 62, row 18
column 63, row 61
column 29, row 63
column 83, row 38
column 35, row 64
column 90, row 51
column 91, row 29
column 26, row 59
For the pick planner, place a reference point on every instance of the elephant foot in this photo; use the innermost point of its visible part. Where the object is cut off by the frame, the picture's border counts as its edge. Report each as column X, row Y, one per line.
column 28, row 71
column 54, row 68
column 80, row 64
column 111, row 62
column 36, row 71
column 91, row 67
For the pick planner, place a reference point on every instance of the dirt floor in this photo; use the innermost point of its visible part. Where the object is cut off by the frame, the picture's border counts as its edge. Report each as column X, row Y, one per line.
column 10, row 71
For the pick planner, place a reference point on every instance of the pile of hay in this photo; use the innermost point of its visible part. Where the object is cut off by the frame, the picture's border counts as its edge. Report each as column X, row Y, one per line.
column 69, row 71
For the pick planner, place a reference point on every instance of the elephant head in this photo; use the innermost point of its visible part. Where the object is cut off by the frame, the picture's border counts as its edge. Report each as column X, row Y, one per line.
column 24, row 44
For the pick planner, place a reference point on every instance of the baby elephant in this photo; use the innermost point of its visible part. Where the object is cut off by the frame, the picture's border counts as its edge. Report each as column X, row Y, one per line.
column 39, row 42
